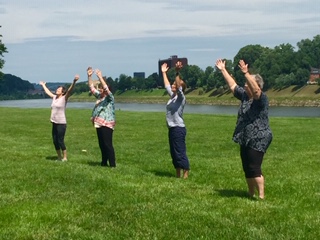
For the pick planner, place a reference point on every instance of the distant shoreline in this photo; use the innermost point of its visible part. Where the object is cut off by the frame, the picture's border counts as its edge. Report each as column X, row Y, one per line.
column 232, row 102
column 305, row 96
column 293, row 96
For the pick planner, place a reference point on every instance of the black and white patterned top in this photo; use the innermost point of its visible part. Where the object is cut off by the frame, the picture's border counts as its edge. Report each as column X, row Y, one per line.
column 252, row 129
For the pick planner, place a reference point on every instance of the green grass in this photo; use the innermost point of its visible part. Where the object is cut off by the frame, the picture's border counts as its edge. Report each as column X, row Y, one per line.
column 141, row 199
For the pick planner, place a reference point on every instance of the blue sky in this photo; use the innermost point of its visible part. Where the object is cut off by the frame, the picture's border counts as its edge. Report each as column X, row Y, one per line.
column 53, row 40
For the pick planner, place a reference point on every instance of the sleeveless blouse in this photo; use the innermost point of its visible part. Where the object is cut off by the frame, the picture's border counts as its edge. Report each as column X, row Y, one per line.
column 58, row 107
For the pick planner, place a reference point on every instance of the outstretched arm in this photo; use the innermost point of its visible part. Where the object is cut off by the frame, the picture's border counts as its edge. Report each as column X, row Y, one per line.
column 229, row 80
column 89, row 73
column 252, row 83
column 46, row 90
column 68, row 93
column 164, row 69
column 102, row 81
column 178, row 79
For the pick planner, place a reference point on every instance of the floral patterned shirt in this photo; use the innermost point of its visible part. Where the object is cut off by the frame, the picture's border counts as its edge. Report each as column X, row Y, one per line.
column 252, row 128
column 103, row 113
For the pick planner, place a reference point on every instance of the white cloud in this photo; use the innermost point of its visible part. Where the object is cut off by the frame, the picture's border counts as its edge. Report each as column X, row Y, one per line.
column 198, row 29
column 105, row 20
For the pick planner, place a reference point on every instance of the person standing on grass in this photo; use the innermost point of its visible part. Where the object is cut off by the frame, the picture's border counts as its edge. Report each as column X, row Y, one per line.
column 58, row 116
column 175, row 122
column 252, row 130
column 103, row 117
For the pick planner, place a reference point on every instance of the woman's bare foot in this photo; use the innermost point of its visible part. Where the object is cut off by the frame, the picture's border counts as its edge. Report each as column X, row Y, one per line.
column 185, row 174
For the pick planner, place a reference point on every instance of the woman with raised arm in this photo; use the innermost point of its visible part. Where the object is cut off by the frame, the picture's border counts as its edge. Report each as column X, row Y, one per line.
column 103, row 117
column 175, row 122
column 58, row 116
column 252, row 130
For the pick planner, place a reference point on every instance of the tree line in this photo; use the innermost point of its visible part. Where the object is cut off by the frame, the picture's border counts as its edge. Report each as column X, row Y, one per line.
column 280, row 67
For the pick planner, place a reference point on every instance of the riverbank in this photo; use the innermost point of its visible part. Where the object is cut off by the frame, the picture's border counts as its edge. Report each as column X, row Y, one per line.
column 306, row 96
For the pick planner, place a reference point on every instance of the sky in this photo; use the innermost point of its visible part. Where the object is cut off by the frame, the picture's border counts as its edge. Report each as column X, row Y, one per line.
column 53, row 40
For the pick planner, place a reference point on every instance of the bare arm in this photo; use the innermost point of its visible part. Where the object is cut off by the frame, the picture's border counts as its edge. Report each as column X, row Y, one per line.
column 164, row 69
column 178, row 79
column 46, row 90
column 229, row 80
column 103, row 83
column 68, row 93
column 89, row 73
column 251, row 82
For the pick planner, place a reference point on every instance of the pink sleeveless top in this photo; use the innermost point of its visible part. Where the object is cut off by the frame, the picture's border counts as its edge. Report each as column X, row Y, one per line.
column 58, row 107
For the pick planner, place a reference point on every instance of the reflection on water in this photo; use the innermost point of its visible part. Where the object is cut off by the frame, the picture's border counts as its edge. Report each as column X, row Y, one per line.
column 144, row 107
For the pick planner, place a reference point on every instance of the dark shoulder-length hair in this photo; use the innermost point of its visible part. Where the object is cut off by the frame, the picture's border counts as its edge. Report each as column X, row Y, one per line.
column 64, row 90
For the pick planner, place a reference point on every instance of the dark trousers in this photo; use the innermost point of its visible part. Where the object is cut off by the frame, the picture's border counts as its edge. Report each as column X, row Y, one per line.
column 105, row 143
column 58, row 133
column 178, row 150
column 251, row 161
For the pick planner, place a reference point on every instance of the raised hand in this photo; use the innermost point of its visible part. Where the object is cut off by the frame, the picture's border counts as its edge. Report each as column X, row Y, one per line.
column 98, row 73
column 90, row 71
column 76, row 78
column 164, row 67
column 243, row 66
column 178, row 66
column 220, row 64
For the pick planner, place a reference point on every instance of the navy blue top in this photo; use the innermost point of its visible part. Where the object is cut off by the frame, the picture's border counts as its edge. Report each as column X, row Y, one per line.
column 252, row 129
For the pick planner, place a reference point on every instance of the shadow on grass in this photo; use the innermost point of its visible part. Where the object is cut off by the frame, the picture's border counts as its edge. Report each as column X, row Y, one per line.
column 91, row 163
column 52, row 158
column 163, row 174
column 232, row 193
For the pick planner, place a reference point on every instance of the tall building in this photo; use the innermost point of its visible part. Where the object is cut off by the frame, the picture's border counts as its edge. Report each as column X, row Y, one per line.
column 171, row 63
column 139, row 75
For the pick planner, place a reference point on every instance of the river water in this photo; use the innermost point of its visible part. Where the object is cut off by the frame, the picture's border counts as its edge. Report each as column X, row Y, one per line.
column 189, row 108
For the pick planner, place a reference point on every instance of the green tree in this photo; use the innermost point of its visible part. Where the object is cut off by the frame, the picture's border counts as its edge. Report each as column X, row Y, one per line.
column 250, row 54
column 267, row 67
column 286, row 58
column 139, row 83
column 308, row 56
column 208, row 78
column 218, row 79
column 80, row 87
column 191, row 74
column 210, row 81
column 111, row 83
column 124, row 82
column 152, row 81
column 274, row 64
column 12, row 85
column 302, row 77
column 3, row 50
column 309, row 53
column 284, row 80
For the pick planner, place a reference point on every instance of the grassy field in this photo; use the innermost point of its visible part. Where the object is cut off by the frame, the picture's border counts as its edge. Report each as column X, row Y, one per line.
column 308, row 95
column 141, row 199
